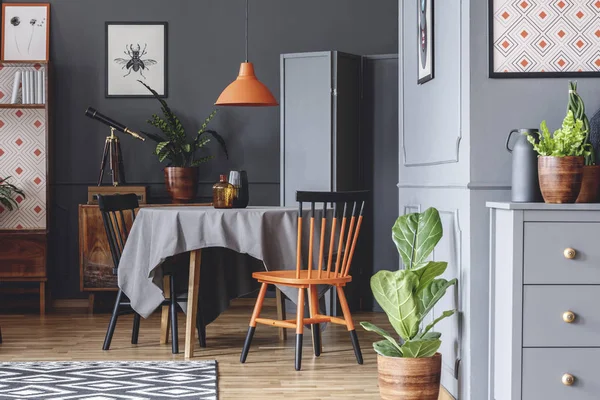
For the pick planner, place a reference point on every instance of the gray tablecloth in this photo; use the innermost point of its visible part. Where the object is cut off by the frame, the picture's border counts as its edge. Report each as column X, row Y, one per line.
column 265, row 233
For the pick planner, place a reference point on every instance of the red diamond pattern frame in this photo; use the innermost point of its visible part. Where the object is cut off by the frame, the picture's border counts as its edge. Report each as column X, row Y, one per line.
column 537, row 36
column 23, row 156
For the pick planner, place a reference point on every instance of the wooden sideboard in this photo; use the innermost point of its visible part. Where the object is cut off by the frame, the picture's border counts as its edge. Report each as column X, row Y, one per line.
column 23, row 259
column 544, row 293
column 95, row 261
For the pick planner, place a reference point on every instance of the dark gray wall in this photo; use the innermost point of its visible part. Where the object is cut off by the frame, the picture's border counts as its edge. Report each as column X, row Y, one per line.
column 206, row 46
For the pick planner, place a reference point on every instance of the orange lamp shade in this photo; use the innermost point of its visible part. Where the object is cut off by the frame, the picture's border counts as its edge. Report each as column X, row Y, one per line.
column 246, row 91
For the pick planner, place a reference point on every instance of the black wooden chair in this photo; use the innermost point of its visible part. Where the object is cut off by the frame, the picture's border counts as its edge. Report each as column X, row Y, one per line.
column 117, row 211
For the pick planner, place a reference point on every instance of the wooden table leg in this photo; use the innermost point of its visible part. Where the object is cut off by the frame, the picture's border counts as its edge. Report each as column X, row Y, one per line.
column 281, row 312
column 42, row 298
column 91, row 300
column 192, row 306
column 166, row 316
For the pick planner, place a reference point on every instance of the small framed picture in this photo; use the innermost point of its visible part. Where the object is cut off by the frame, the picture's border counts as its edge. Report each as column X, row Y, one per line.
column 136, row 51
column 25, row 31
column 426, row 53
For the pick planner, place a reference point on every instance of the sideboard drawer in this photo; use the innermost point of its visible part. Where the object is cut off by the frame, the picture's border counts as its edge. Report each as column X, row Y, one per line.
column 543, row 371
column 543, row 309
column 546, row 253
column 22, row 254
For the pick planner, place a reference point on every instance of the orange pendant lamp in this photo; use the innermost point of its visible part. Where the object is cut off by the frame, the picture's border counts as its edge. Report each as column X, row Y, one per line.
column 246, row 90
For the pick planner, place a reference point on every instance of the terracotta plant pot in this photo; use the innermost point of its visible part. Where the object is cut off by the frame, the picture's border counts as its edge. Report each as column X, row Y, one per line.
column 590, row 186
column 560, row 178
column 182, row 183
column 409, row 378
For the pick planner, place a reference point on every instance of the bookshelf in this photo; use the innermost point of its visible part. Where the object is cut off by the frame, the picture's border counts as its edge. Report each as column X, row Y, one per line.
column 25, row 140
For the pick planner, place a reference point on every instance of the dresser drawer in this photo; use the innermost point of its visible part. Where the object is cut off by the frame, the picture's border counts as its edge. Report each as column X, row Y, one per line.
column 544, row 253
column 543, row 309
column 543, row 370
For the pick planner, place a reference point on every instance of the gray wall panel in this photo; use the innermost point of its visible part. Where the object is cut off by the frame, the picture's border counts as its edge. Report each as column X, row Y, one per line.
column 379, row 119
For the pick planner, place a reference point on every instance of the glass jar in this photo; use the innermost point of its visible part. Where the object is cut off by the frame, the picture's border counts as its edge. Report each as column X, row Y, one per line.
column 223, row 193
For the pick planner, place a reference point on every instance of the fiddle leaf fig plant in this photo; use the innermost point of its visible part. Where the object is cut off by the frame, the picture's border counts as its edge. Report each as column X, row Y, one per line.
column 8, row 192
column 407, row 296
column 569, row 140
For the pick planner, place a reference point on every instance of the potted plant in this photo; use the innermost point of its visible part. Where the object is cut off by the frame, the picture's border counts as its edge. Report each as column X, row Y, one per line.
column 8, row 192
column 561, row 159
column 410, row 367
column 590, row 185
column 181, row 174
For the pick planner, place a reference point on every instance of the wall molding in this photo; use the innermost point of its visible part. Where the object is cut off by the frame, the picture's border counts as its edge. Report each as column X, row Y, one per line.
column 469, row 186
column 454, row 214
column 401, row 125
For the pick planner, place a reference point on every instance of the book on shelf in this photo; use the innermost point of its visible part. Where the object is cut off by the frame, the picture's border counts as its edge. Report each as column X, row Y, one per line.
column 31, row 86
column 16, row 87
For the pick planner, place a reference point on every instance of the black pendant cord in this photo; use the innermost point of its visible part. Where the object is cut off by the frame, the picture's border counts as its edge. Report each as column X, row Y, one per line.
column 246, row 30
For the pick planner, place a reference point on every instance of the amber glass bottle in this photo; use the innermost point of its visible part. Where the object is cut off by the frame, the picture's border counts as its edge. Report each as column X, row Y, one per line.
column 223, row 193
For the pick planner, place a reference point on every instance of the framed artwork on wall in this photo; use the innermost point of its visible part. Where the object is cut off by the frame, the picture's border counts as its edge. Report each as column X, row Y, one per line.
column 136, row 51
column 544, row 38
column 25, row 31
column 426, row 40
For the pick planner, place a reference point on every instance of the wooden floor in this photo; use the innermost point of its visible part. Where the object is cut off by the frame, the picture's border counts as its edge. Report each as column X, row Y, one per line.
column 268, row 373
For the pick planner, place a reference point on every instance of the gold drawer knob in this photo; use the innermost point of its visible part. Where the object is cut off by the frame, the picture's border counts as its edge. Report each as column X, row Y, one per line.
column 568, row 379
column 569, row 253
column 568, row 316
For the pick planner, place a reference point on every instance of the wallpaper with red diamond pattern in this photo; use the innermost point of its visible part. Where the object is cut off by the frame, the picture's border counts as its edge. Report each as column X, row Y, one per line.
column 546, row 36
column 23, row 156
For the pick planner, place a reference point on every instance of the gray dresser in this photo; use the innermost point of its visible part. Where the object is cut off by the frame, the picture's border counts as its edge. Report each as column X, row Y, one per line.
column 544, row 301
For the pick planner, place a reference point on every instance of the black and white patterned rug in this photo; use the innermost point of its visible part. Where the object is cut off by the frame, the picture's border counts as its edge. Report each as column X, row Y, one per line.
column 122, row 380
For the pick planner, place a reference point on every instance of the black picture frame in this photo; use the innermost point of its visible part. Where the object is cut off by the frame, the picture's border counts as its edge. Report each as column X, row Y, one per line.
column 165, row 57
column 430, row 76
column 523, row 75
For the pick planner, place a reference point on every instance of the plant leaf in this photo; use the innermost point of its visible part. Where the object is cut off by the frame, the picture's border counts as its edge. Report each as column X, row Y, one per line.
column 395, row 293
column 429, row 296
column 429, row 272
column 430, row 336
column 420, row 348
column 445, row 314
column 415, row 236
column 374, row 328
column 385, row 348
column 218, row 138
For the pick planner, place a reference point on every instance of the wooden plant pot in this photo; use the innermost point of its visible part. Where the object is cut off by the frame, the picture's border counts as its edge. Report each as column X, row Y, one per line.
column 182, row 183
column 590, row 186
column 409, row 378
column 560, row 178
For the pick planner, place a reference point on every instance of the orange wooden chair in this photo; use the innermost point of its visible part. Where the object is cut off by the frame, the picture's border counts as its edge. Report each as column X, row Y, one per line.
column 351, row 205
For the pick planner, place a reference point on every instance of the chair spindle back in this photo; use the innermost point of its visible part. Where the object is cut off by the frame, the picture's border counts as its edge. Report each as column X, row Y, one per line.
column 352, row 205
column 115, row 210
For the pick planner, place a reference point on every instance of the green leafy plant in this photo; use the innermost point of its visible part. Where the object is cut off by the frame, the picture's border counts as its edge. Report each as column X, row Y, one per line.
column 570, row 140
column 176, row 147
column 577, row 106
column 8, row 192
column 407, row 296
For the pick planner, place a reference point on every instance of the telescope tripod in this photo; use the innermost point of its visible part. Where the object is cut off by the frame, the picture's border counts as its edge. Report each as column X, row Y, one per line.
column 112, row 154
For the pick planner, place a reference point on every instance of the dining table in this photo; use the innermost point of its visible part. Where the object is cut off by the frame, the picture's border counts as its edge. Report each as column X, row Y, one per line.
column 267, row 234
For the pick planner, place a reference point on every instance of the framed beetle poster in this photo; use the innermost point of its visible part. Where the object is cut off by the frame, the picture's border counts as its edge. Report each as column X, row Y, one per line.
column 136, row 51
